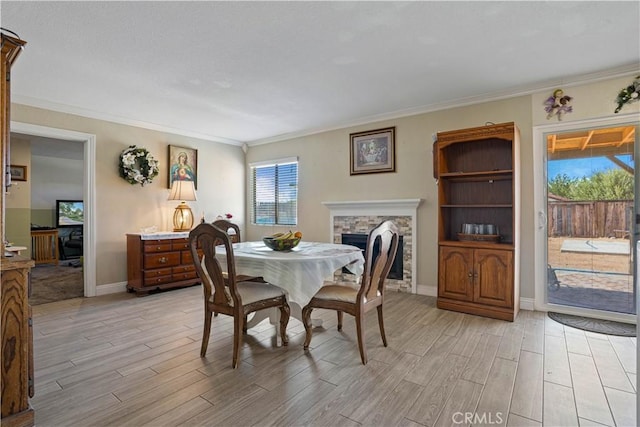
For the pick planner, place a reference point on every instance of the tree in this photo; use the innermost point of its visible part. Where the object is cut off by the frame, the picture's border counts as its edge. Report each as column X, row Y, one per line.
column 613, row 184
column 562, row 185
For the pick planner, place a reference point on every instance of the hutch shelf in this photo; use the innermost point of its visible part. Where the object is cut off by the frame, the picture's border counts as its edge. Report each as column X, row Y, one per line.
column 477, row 174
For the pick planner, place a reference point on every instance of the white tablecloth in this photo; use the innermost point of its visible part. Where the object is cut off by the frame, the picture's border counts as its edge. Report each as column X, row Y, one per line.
column 301, row 272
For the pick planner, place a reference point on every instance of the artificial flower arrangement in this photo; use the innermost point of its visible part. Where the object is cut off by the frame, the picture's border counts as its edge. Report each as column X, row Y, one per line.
column 558, row 104
column 629, row 94
column 137, row 166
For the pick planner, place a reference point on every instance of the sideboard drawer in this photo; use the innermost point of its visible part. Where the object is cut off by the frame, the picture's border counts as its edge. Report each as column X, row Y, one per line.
column 180, row 244
column 187, row 258
column 150, row 274
column 157, row 280
column 164, row 259
column 183, row 268
column 185, row 276
column 157, row 246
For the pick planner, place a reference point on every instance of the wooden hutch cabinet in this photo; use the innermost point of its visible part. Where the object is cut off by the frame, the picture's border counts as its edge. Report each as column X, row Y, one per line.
column 16, row 358
column 159, row 261
column 478, row 183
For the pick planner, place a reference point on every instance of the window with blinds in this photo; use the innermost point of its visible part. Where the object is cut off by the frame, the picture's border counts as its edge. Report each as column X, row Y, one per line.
column 275, row 192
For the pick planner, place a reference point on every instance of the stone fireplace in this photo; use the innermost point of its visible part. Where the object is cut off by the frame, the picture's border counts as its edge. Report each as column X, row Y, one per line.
column 358, row 217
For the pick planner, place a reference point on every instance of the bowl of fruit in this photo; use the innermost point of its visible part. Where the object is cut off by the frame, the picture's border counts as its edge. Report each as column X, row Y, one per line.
column 283, row 241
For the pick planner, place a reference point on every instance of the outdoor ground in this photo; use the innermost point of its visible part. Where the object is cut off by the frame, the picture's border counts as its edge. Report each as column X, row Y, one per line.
column 587, row 261
column 591, row 280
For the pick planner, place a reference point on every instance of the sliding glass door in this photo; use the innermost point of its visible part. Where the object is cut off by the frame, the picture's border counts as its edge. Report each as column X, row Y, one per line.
column 588, row 219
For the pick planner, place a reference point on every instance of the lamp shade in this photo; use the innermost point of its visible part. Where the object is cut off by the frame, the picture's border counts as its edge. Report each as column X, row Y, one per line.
column 183, row 190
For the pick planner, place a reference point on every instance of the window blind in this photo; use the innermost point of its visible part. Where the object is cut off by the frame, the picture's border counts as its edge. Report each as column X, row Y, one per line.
column 275, row 192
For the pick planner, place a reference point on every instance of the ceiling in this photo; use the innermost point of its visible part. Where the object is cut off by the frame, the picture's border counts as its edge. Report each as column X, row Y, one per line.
column 255, row 72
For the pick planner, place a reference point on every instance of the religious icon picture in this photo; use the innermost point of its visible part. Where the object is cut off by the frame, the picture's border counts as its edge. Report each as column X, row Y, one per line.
column 183, row 165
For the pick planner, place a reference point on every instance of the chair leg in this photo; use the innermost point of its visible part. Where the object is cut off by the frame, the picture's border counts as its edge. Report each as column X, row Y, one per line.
column 306, row 320
column 206, row 332
column 215, row 314
column 340, row 320
column 244, row 327
column 381, row 323
column 360, row 331
column 285, row 312
column 238, row 325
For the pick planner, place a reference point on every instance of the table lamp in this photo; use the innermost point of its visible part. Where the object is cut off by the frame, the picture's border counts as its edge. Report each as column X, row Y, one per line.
column 182, row 217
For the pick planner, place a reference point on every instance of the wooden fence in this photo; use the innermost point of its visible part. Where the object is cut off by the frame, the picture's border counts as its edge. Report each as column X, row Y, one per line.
column 611, row 218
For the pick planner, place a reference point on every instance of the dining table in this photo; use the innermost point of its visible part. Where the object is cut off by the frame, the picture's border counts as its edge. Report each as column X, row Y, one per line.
column 300, row 272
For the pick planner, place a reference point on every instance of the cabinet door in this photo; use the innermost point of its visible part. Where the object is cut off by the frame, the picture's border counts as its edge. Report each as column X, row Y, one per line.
column 455, row 273
column 493, row 277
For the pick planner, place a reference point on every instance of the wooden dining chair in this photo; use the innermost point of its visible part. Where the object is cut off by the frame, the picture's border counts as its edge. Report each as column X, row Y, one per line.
column 225, row 225
column 233, row 298
column 357, row 301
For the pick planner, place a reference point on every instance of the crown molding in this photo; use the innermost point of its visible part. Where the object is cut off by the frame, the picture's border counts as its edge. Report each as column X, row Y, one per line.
column 83, row 112
column 629, row 69
column 622, row 71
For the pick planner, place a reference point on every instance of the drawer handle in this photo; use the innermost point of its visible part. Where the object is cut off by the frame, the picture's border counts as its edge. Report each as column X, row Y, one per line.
column 162, row 260
column 158, row 247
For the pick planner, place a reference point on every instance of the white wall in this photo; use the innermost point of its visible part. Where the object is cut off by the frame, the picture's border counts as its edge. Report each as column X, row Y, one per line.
column 55, row 178
column 324, row 173
column 18, row 199
column 324, row 166
column 124, row 208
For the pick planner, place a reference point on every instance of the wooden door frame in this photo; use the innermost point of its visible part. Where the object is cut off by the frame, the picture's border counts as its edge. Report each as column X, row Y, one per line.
column 540, row 206
column 89, row 192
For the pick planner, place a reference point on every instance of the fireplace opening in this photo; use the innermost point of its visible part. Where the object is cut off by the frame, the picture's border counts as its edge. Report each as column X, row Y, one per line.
column 360, row 241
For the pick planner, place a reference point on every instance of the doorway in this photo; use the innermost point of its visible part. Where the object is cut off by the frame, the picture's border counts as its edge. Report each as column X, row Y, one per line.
column 88, row 144
column 586, row 231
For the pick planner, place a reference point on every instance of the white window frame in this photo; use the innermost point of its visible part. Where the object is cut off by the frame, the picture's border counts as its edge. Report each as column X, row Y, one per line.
column 269, row 163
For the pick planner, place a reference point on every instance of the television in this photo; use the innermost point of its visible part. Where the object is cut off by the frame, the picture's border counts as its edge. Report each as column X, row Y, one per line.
column 69, row 213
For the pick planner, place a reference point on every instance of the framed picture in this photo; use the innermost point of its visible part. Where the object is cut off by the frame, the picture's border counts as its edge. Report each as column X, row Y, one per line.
column 18, row 173
column 373, row 151
column 184, row 165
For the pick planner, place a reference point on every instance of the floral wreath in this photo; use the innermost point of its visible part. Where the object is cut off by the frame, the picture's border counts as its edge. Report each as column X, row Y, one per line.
column 137, row 166
column 629, row 94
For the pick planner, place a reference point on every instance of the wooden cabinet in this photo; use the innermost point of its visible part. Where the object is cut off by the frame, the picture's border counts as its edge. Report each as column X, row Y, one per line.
column 155, row 263
column 17, row 343
column 478, row 177
column 16, row 358
column 476, row 275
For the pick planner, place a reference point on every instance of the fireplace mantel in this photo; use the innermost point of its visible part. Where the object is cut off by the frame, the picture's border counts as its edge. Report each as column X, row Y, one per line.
column 402, row 208
column 380, row 207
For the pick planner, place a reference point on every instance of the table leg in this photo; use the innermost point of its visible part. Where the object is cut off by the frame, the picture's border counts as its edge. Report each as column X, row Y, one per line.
column 273, row 314
column 258, row 317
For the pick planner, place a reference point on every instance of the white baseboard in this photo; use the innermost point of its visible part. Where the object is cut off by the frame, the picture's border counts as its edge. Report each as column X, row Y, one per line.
column 431, row 291
column 111, row 288
column 527, row 304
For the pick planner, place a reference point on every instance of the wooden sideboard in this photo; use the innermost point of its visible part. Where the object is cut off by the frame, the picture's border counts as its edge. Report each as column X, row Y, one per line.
column 159, row 261
column 16, row 356
column 17, row 343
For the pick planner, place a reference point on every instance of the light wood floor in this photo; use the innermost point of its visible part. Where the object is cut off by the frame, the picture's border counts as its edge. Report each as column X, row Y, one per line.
column 119, row 360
